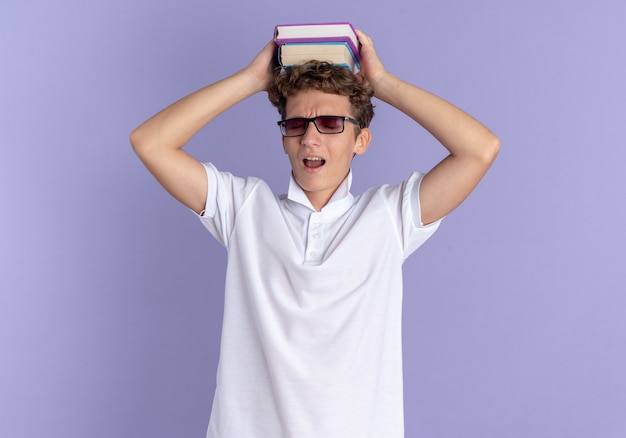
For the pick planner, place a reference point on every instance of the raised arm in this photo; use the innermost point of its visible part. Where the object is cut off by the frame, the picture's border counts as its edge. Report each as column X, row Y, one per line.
column 472, row 146
column 159, row 140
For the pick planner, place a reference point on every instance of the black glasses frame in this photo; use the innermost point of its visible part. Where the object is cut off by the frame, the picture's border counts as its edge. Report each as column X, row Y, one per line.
column 307, row 121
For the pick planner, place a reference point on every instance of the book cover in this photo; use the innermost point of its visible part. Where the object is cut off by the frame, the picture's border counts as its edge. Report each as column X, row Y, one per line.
column 318, row 32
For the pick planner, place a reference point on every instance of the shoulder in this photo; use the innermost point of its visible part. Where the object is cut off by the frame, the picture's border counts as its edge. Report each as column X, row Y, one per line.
column 228, row 192
column 396, row 192
column 402, row 200
column 226, row 180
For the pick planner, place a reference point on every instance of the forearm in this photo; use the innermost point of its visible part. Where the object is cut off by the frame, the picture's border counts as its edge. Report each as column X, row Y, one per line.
column 456, row 130
column 175, row 125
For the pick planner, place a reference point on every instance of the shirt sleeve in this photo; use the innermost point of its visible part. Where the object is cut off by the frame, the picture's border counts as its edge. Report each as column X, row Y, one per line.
column 226, row 194
column 414, row 232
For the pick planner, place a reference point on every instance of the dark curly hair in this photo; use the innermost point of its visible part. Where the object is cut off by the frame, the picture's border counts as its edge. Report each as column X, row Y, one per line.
column 324, row 77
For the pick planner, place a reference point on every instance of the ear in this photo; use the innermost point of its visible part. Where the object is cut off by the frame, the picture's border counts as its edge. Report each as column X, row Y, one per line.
column 283, row 141
column 362, row 141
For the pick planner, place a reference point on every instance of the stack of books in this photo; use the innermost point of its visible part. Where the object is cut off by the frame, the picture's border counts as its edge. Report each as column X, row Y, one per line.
column 336, row 43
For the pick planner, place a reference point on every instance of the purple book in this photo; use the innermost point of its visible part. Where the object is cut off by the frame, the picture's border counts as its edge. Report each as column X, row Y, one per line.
column 318, row 33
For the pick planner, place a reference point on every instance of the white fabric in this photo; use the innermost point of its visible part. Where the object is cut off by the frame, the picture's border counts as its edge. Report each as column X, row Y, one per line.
column 311, row 338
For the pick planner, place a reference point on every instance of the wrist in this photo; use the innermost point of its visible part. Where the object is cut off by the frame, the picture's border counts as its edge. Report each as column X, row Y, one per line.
column 383, row 84
column 256, row 81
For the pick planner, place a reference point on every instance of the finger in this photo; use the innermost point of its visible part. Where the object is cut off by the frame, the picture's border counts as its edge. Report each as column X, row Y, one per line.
column 363, row 38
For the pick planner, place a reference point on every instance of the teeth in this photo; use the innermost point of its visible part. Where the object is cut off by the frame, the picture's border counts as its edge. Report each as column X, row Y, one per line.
column 313, row 158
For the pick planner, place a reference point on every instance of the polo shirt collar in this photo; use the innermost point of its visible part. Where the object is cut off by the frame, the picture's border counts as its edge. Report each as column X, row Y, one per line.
column 340, row 200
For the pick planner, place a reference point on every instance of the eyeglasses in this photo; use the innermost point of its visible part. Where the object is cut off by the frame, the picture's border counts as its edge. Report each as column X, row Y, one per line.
column 324, row 124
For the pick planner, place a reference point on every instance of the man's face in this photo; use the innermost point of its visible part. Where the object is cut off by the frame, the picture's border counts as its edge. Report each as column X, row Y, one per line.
column 320, row 162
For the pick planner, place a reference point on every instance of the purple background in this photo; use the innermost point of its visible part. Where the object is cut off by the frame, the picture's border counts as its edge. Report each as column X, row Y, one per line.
column 111, row 292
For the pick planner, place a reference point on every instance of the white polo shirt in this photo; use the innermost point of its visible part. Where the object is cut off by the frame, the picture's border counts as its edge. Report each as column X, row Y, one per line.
column 311, row 340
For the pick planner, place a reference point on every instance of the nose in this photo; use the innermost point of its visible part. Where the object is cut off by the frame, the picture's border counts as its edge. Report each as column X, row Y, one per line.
column 311, row 135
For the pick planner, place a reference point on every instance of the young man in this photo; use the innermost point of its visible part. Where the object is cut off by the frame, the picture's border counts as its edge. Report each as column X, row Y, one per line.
column 311, row 342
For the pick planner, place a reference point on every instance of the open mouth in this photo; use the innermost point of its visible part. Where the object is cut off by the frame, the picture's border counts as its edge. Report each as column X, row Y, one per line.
column 313, row 162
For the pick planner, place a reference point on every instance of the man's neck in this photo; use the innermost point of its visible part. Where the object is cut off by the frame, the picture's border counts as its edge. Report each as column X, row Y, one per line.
column 319, row 200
